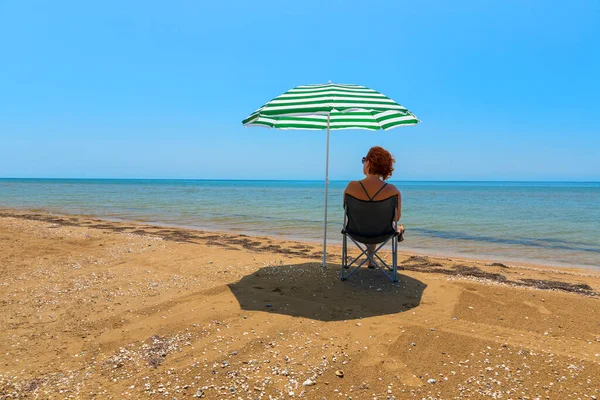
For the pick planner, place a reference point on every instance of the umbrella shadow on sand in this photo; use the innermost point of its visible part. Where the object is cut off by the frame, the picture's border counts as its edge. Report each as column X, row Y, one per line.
column 308, row 291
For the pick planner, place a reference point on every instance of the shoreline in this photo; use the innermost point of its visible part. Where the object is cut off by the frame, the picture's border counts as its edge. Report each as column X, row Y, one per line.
column 281, row 246
column 515, row 262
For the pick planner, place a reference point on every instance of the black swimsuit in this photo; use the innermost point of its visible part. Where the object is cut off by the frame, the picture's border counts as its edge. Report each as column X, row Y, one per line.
column 367, row 193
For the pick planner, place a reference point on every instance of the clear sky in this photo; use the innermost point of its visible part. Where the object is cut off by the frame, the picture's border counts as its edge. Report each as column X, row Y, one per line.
column 506, row 90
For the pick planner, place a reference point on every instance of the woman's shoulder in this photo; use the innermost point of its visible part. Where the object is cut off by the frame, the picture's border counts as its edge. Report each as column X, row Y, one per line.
column 392, row 187
column 353, row 188
column 352, row 184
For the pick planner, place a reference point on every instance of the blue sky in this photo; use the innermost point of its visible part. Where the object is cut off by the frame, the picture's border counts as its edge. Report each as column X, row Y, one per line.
column 506, row 90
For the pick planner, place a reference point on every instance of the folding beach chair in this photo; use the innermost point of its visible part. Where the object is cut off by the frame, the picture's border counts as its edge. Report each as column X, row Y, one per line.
column 370, row 222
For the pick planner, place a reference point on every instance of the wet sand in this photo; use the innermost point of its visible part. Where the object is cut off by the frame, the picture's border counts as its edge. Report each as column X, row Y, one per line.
column 98, row 309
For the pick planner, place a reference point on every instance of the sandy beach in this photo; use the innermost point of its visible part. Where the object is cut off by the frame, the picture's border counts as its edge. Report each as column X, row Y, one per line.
column 94, row 309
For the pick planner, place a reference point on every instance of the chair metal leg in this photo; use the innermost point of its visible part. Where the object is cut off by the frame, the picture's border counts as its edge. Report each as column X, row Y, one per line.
column 348, row 269
column 372, row 257
column 346, row 274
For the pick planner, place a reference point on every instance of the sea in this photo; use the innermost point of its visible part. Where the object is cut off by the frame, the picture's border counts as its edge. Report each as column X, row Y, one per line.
column 549, row 223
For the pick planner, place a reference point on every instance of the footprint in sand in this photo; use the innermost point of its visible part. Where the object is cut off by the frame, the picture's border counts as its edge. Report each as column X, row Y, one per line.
column 472, row 290
column 378, row 356
column 540, row 308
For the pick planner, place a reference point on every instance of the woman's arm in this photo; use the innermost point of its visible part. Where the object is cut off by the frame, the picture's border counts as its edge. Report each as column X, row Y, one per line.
column 399, row 209
column 399, row 215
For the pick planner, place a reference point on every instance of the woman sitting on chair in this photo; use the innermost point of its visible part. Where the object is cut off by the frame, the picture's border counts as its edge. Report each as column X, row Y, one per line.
column 378, row 166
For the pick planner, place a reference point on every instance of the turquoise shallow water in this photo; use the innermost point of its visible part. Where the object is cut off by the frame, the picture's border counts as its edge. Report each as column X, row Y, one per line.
column 550, row 223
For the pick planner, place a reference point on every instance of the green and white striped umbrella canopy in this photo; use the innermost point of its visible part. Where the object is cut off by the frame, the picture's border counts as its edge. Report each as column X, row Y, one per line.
column 346, row 106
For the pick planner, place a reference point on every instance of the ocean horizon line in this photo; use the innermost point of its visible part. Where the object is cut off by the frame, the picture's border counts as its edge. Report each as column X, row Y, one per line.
column 296, row 180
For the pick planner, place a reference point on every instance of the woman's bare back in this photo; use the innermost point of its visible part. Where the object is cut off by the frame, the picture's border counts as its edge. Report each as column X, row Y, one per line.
column 372, row 187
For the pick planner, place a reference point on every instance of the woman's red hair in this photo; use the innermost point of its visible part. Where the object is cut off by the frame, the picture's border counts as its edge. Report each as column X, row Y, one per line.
column 381, row 162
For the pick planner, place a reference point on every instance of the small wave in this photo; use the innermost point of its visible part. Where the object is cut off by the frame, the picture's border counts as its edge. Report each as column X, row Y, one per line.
column 540, row 243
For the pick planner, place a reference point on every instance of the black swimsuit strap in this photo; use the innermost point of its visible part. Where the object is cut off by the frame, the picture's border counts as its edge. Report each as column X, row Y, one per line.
column 367, row 193
column 380, row 189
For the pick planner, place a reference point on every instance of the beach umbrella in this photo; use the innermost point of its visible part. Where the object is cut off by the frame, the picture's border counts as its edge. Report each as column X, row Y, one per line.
column 331, row 106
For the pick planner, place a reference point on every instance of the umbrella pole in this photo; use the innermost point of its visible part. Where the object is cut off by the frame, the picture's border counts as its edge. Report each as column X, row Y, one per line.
column 326, row 196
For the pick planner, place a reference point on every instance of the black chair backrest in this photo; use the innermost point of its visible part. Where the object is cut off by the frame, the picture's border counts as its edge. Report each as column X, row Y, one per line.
column 370, row 221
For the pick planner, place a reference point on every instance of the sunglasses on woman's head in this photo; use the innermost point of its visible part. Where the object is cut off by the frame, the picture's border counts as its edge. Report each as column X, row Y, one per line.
column 364, row 159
